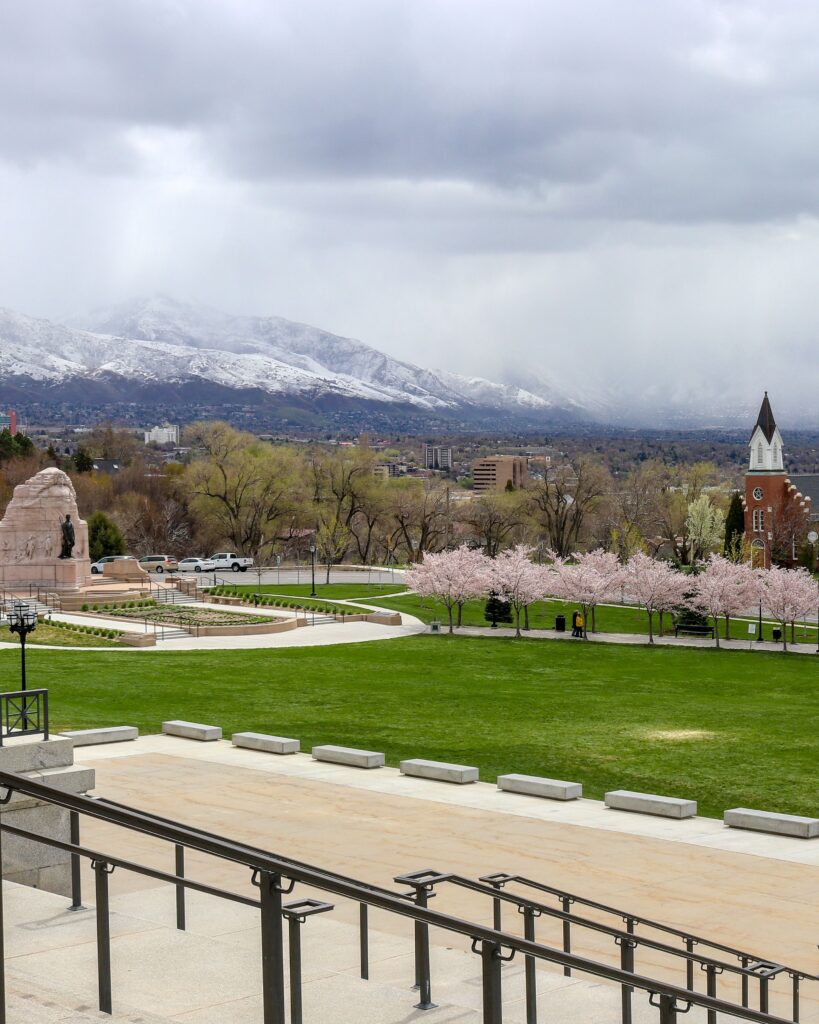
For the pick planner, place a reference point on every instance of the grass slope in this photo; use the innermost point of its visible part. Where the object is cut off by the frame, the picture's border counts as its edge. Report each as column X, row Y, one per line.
column 726, row 729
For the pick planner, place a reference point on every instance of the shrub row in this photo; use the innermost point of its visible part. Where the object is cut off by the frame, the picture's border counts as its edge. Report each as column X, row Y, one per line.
column 73, row 627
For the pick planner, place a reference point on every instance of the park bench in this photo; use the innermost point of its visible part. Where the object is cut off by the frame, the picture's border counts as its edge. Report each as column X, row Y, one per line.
column 350, row 756
column 535, row 785
column 192, row 730
column 694, row 629
column 107, row 734
column 650, row 803
column 269, row 744
column 442, row 771
column 770, row 821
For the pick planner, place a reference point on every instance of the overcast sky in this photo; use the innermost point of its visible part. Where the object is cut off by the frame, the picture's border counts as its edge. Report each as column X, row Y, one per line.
column 620, row 192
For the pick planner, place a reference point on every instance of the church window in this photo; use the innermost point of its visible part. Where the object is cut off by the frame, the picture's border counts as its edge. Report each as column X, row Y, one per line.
column 759, row 456
column 759, row 520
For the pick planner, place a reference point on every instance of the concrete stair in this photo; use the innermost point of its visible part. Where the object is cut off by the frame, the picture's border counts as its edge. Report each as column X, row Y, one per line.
column 211, row 973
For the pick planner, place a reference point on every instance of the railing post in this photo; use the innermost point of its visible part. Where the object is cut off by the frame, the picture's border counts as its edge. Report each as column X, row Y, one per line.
column 422, row 969
column 711, row 972
column 668, row 1009
column 744, row 961
column 567, row 901
column 689, row 965
column 491, row 983
column 364, row 940
column 101, row 873
column 76, row 874
column 2, row 936
column 626, row 964
column 529, row 915
column 763, row 995
column 272, row 947
column 180, row 889
column 297, row 913
column 796, row 979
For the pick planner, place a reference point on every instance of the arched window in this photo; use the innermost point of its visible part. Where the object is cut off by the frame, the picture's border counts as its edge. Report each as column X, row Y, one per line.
column 775, row 455
column 760, row 458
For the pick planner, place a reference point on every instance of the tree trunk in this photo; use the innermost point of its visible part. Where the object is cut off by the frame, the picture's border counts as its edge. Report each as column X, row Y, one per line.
column 727, row 627
column 517, row 620
column 716, row 629
column 526, row 617
column 594, row 618
column 662, row 628
column 328, row 573
column 650, row 627
column 449, row 610
column 460, row 613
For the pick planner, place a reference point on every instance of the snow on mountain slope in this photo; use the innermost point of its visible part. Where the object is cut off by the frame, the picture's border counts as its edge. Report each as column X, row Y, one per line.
column 281, row 355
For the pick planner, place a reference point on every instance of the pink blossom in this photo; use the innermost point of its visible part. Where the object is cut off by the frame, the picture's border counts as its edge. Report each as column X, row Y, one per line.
column 724, row 588
column 514, row 576
column 451, row 577
column 656, row 585
column 788, row 594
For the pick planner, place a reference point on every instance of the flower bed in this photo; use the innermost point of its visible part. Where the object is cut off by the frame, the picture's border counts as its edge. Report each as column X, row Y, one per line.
column 182, row 615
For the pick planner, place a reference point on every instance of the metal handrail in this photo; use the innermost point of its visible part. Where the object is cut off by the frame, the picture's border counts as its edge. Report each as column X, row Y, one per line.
column 649, row 923
column 269, row 870
column 597, row 926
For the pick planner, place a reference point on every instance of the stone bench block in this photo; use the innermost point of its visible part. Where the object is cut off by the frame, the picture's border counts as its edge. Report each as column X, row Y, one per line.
column 109, row 734
column 439, row 770
column 20, row 754
column 270, row 744
column 535, row 785
column 650, row 803
column 348, row 755
column 192, row 730
column 770, row 821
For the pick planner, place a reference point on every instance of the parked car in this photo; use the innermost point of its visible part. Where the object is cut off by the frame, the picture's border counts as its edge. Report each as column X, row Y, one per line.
column 230, row 560
column 158, row 563
column 97, row 568
column 197, row 565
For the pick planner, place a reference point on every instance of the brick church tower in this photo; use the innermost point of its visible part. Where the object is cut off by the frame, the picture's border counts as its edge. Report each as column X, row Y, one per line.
column 776, row 513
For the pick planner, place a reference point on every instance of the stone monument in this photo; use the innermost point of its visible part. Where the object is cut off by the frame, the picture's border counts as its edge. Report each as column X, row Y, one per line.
column 43, row 541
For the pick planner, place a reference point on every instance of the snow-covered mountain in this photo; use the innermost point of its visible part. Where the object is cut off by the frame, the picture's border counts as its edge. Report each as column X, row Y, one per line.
column 160, row 342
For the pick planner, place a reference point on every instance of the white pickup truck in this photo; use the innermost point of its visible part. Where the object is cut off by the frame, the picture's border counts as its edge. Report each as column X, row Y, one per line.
column 229, row 560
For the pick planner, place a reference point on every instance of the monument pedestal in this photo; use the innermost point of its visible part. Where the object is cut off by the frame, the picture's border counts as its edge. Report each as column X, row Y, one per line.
column 65, row 574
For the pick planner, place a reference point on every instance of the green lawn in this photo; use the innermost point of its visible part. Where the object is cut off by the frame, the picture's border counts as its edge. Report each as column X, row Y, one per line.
column 610, row 618
column 728, row 729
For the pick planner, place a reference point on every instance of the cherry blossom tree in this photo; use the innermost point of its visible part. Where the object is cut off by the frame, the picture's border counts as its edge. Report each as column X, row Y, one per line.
column 518, row 579
column 656, row 585
column 724, row 588
column 451, row 577
column 788, row 595
column 589, row 579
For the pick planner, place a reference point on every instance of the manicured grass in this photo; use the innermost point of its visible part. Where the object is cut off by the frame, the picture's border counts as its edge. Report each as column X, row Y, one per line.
column 60, row 637
column 727, row 729
column 610, row 618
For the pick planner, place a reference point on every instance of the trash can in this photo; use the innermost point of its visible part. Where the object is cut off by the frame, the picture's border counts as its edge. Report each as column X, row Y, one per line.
column 777, row 635
column 560, row 624
column 435, row 626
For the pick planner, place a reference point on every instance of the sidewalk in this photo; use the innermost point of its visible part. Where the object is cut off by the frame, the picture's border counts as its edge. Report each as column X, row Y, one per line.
column 635, row 638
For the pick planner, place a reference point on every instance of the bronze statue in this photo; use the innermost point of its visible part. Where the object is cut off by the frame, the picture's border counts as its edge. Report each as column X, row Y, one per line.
column 67, row 530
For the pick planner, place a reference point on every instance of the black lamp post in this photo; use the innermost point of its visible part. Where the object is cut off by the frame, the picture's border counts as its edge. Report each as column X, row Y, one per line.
column 22, row 620
column 759, row 630
column 313, row 569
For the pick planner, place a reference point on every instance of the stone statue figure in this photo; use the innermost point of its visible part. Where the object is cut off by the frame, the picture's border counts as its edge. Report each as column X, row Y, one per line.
column 67, row 530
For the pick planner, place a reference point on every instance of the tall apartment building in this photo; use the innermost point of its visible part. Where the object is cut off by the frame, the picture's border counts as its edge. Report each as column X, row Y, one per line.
column 498, row 471
column 437, row 457
column 169, row 434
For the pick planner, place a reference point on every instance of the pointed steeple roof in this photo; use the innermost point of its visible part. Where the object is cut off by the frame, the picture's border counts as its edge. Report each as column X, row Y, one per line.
column 765, row 421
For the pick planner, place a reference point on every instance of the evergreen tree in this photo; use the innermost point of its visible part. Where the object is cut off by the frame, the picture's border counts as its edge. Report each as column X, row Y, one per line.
column 497, row 610
column 734, row 524
column 104, row 537
column 82, row 460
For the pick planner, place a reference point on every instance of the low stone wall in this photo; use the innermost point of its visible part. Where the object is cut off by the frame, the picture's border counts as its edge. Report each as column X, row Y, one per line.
column 75, row 602
column 380, row 618
column 138, row 639
column 25, row 861
column 251, row 629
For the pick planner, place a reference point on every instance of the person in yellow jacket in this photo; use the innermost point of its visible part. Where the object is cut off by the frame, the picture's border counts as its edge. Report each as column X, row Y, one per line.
column 577, row 624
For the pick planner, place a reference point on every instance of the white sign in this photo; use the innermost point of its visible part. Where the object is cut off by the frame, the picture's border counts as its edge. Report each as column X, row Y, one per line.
column 751, row 629
column 813, row 536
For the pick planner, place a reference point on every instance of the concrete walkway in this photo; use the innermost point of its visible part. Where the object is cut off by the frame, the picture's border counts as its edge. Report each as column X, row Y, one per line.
column 750, row 891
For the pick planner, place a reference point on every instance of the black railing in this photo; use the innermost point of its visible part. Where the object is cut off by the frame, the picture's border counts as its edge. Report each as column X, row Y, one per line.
column 23, row 713
column 275, row 876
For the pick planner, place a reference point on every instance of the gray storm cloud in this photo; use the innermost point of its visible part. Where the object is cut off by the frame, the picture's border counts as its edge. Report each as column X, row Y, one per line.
column 486, row 187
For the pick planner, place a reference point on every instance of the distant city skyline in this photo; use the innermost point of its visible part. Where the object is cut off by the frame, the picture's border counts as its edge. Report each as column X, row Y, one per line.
column 608, row 197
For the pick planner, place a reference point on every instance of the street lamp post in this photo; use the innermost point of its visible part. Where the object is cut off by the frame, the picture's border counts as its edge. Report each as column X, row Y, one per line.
column 759, row 629
column 313, row 569
column 22, row 620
